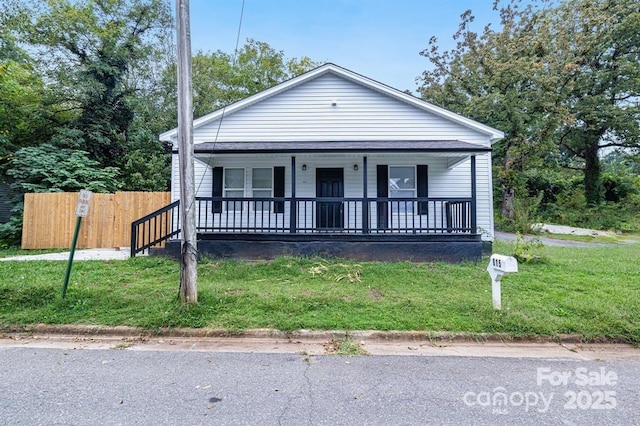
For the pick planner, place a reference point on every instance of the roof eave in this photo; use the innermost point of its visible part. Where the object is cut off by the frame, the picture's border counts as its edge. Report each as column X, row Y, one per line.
column 440, row 146
column 333, row 151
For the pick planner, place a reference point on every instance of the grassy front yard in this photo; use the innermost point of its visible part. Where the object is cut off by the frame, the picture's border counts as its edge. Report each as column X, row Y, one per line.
column 594, row 292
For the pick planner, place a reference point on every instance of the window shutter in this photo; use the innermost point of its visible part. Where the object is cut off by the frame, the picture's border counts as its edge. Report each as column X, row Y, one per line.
column 382, row 176
column 217, row 188
column 278, row 189
column 423, row 188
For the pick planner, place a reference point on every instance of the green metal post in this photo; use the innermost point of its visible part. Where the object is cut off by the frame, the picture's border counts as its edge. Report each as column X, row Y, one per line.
column 73, row 250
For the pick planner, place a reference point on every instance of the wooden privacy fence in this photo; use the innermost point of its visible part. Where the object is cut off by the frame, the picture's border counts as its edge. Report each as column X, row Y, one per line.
column 49, row 218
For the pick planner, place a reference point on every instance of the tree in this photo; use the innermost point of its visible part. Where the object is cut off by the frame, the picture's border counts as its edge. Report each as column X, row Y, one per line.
column 221, row 78
column 24, row 117
column 560, row 80
column 20, row 103
column 88, row 48
column 495, row 77
column 99, row 63
column 147, row 163
column 104, row 75
column 602, row 37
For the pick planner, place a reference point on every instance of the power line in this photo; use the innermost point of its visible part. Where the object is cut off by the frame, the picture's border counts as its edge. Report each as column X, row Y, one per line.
column 233, row 69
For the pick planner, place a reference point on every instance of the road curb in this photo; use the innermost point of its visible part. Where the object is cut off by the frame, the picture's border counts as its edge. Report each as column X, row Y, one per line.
column 305, row 335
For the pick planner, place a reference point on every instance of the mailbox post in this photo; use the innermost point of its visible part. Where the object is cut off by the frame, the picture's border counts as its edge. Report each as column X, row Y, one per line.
column 500, row 266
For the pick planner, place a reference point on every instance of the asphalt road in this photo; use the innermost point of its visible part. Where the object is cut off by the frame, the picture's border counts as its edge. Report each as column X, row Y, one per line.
column 50, row 386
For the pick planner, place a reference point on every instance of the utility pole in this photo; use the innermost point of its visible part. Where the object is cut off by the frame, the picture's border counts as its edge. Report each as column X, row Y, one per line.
column 188, row 270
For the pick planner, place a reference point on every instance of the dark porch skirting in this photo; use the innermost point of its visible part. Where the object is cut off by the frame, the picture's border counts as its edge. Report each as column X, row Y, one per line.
column 386, row 247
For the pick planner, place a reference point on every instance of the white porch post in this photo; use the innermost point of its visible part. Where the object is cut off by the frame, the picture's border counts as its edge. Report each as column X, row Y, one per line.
column 365, row 200
column 474, row 191
column 293, row 207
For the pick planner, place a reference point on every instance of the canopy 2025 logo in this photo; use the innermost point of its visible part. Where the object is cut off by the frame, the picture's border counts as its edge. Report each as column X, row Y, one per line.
column 590, row 392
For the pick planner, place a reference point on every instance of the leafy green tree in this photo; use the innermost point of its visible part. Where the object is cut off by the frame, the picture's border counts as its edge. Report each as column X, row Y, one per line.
column 221, row 78
column 493, row 77
column 89, row 48
column 147, row 165
column 106, row 70
column 24, row 117
column 146, row 162
column 602, row 38
column 20, row 101
column 101, row 61
column 560, row 79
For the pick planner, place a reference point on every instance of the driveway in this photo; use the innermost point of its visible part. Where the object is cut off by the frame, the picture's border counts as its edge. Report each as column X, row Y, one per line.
column 547, row 241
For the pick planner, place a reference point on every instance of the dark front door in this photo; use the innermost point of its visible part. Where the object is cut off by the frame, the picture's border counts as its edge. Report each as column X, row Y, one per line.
column 329, row 184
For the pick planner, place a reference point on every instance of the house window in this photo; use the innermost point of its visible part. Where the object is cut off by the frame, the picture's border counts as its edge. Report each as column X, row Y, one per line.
column 402, row 184
column 262, row 185
column 234, row 187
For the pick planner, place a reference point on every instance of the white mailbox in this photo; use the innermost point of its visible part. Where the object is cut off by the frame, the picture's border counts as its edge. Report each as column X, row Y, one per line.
column 500, row 266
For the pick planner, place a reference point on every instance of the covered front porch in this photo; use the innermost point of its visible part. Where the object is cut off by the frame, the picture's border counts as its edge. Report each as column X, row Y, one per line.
column 444, row 232
column 322, row 218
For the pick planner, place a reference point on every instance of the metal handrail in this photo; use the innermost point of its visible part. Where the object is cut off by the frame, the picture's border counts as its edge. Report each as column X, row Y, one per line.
column 155, row 228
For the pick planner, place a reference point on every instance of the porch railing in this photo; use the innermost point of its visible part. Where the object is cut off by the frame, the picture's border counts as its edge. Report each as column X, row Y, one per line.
column 309, row 216
column 155, row 228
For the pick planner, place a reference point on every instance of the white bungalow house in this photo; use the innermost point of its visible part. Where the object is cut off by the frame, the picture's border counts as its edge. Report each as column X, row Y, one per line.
column 334, row 163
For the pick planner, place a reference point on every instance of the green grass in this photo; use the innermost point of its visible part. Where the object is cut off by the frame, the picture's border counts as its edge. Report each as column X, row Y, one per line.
column 594, row 292
column 17, row 251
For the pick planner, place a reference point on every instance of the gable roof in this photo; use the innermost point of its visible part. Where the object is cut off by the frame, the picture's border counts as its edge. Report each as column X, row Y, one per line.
column 327, row 68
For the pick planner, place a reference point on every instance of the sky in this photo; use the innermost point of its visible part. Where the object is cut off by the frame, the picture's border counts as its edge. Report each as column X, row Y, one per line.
column 380, row 39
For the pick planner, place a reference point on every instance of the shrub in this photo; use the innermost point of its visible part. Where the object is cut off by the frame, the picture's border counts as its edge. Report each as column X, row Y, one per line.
column 47, row 168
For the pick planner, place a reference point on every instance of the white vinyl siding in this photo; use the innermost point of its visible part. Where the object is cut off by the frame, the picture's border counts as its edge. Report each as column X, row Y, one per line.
column 304, row 113
column 203, row 177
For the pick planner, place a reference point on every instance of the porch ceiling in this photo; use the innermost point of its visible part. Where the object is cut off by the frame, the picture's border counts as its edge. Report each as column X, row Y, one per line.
column 430, row 146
